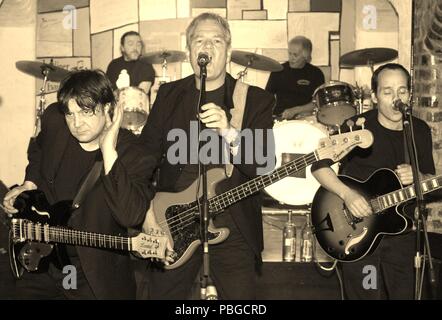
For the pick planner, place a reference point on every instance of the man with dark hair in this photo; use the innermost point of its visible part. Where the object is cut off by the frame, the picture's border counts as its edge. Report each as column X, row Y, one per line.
column 393, row 259
column 81, row 129
column 232, row 262
column 295, row 84
column 140, row 74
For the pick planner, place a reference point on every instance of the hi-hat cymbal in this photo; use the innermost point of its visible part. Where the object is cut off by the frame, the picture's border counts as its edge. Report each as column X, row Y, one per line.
column 255, row 61
column 158, row 57
column 38, row 68
column 367, row 56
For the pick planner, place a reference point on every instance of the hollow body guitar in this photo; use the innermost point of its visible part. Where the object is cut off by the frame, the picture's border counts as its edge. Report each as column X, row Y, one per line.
column 347, row 238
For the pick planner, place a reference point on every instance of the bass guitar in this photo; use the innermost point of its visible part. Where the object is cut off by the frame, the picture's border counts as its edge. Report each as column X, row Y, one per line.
column 33, row 236
column 178, row 213
column 347, row 238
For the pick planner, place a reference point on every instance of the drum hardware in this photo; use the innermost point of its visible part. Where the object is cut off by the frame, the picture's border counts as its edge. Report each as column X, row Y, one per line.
column 164, row 57
column 367, row 57
column 47, row 72
column 254, row 61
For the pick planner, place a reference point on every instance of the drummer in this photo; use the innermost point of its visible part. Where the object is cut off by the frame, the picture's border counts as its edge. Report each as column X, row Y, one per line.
column 295, row 84
column 140, row 73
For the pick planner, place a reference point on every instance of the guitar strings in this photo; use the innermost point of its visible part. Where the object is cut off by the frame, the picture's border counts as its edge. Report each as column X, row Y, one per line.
column 69, row 235
column 186, row 217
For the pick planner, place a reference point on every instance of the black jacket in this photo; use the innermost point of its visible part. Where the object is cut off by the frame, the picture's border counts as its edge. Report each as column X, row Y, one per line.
column 117, row 201
column 257, row 115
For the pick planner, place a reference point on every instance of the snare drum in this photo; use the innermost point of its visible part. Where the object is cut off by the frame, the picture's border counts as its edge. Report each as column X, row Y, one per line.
column 135, row 107
column 335, row 102
column 293, row 139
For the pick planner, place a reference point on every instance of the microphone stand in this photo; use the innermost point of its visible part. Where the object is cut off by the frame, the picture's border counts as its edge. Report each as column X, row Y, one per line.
column 208, row 291
column 421, row 210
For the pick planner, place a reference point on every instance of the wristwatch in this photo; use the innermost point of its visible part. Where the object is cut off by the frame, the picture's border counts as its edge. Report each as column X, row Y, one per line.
column 236, row 142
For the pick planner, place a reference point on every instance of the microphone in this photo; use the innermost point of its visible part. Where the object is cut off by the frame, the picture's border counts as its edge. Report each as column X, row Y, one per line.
column 398, row 105
column 203, row 59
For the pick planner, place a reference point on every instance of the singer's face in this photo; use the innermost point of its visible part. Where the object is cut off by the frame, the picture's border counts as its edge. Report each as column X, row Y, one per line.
column 209, row 37
column 392, row 86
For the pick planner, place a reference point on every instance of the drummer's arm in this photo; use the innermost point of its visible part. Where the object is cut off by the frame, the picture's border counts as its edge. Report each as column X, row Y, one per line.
column 290, row 113
column 145, row 86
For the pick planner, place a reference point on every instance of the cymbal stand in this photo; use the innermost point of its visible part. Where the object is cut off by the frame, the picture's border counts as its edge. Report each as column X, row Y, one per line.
column 41, row 105
column 164, row 68
column 243, row 73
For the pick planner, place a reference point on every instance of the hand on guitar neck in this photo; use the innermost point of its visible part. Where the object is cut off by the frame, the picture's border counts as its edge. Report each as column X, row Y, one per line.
column 150, row 223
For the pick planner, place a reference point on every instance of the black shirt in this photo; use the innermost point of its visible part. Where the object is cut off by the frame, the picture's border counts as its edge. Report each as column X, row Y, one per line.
column 188, row 113
column 138, row 71
column 74, row 167
column 294, row 87
column 387, row 150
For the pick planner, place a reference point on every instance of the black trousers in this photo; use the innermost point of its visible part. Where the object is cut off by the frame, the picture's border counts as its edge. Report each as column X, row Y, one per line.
column 49, row 285
column 393, row 265
column 232, row 269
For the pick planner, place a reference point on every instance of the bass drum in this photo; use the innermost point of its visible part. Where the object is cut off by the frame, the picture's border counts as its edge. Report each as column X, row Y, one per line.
column 293, row 139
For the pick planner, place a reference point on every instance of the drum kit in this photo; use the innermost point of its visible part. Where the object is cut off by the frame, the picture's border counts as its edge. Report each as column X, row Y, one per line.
column 334, row 102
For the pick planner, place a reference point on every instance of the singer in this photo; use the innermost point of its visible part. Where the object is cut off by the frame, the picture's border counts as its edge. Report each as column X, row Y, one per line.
column 232, row 262
column 393, row 259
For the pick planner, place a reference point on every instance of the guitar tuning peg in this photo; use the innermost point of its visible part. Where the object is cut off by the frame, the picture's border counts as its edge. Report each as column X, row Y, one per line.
column 350, row 124
column 360, row 122
column 339, row 128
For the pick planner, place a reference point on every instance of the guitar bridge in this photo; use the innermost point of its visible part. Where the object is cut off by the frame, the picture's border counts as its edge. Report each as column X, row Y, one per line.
column 351, row 219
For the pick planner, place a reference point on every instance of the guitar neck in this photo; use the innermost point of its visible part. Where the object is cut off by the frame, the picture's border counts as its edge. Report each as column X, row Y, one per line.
column 222, row 201
column 27, row 230
column 405, row 194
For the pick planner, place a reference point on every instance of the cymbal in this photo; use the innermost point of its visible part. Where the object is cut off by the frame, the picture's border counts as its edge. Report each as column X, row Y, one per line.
column 36, row 68
column 255, row 61
column 158, row 57
column 368, row 56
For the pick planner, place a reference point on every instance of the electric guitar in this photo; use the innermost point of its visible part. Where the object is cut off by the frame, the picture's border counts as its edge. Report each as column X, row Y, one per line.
column 178, row 213
column 346, row 238
column 32, row 236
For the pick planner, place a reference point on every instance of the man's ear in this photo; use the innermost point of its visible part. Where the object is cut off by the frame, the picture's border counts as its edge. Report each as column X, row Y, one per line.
column 229, row 54
column 108, row 110
column 187, row 54
column 374, row 98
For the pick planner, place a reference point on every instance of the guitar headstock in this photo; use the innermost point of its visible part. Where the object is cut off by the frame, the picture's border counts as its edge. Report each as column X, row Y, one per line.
column 338, row 146
column 151, row 244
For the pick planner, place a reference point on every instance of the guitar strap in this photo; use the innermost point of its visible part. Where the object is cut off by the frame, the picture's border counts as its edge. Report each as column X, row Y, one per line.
column 88, row 183
column 237, row 112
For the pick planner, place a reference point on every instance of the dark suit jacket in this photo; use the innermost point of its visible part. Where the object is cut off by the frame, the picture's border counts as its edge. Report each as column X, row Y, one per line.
column 257, row 115
column 117, row 201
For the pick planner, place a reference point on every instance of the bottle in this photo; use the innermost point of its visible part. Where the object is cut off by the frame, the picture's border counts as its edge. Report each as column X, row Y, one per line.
column 307, row 241
column 123, row 79
column 289, row 239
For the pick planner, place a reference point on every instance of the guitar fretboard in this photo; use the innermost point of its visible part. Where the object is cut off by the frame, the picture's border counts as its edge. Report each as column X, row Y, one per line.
column 27, row 230
column 222, row 201
column 408, row 193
